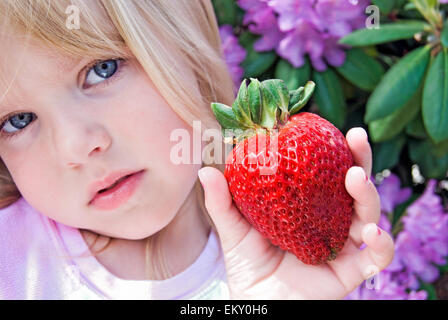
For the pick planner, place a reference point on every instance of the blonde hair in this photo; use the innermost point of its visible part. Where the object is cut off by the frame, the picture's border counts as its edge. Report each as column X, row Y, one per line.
column 166, row 37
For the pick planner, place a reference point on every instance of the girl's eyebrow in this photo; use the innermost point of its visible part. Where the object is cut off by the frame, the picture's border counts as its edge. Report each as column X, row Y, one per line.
column 72, row 66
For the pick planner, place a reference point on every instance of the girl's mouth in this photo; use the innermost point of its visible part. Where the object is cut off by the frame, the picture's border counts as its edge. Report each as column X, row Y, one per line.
column 115, row 184
column 117, row 194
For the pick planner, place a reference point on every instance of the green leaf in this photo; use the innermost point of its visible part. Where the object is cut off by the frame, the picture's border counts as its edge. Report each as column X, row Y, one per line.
column 275, row 96
column 307, row 92
column 225, row 116
column 385, row 6
column 429, row 288
column 276, row 93
column 410, row 6
column 432, row 3
column 247, row 39
column 444, row 35
column 431, row 166
column 398, row 85
column 416, row 128
column 386, row 128
column 387, row 154
column 443, row 268
column 293, row 77
column 386, row 33
column 295, row 96
column 226, row 11
column 256, row 62
column 254, row 97
column 329, row 97
column 435, row 98
column 439, row 149
column 361, row 69
column 240, row 106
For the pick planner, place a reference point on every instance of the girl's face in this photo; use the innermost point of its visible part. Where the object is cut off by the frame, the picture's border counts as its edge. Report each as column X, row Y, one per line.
column 74, row 127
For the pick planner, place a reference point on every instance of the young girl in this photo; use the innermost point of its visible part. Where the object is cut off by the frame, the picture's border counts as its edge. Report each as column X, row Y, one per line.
column 81, row 108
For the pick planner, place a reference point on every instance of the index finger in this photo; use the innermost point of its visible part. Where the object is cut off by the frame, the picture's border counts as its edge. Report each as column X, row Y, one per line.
column 359, row 146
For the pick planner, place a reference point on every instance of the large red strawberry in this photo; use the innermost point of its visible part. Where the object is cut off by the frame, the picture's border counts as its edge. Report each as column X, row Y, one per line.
column 287, row 170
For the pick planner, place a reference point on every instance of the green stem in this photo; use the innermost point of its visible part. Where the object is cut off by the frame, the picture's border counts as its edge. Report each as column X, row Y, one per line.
column 284, row 117
column 432, row 15
column 397, row 228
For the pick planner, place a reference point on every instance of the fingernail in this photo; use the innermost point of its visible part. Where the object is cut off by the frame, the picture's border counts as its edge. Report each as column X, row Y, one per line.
column 371, row 228
column 371, row 271
column 366, row 137
column 201, row 176
column 364, row 133
column 363, row 175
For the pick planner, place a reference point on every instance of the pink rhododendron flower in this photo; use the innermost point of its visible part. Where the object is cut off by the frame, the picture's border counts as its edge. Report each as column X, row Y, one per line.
column 233, row 53
column 296, row 28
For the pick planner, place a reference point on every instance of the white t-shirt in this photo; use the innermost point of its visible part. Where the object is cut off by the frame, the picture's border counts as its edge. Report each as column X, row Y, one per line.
column 39, row 259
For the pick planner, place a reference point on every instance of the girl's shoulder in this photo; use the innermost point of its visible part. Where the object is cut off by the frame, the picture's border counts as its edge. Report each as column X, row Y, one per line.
column 19, row 224
column 23, row 232
column 27, row 252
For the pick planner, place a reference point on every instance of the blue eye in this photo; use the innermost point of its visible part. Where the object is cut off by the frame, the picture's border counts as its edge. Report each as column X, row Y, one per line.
column 18, row 121
column 102, row 71
column 99, row 73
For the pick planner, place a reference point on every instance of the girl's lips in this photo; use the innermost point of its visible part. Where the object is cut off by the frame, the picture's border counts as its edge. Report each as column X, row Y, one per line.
column 119, row 194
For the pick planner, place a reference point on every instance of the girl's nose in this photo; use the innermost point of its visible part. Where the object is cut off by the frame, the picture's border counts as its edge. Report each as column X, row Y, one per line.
column 78, row 142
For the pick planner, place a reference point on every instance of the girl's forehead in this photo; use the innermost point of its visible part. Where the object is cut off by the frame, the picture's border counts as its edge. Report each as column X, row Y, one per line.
column 27, row 64
column 16, row 44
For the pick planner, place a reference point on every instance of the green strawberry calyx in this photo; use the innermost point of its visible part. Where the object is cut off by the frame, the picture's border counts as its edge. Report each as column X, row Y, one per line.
column 260, row 106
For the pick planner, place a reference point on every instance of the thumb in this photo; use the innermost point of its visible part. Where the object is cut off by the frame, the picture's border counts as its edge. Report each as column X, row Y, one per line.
column 230, row 224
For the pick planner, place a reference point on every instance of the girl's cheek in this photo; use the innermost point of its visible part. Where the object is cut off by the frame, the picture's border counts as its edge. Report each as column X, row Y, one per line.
column 22, row 142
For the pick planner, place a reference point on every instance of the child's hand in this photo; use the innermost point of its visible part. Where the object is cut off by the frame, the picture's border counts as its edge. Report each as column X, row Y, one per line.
column 258, row 270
